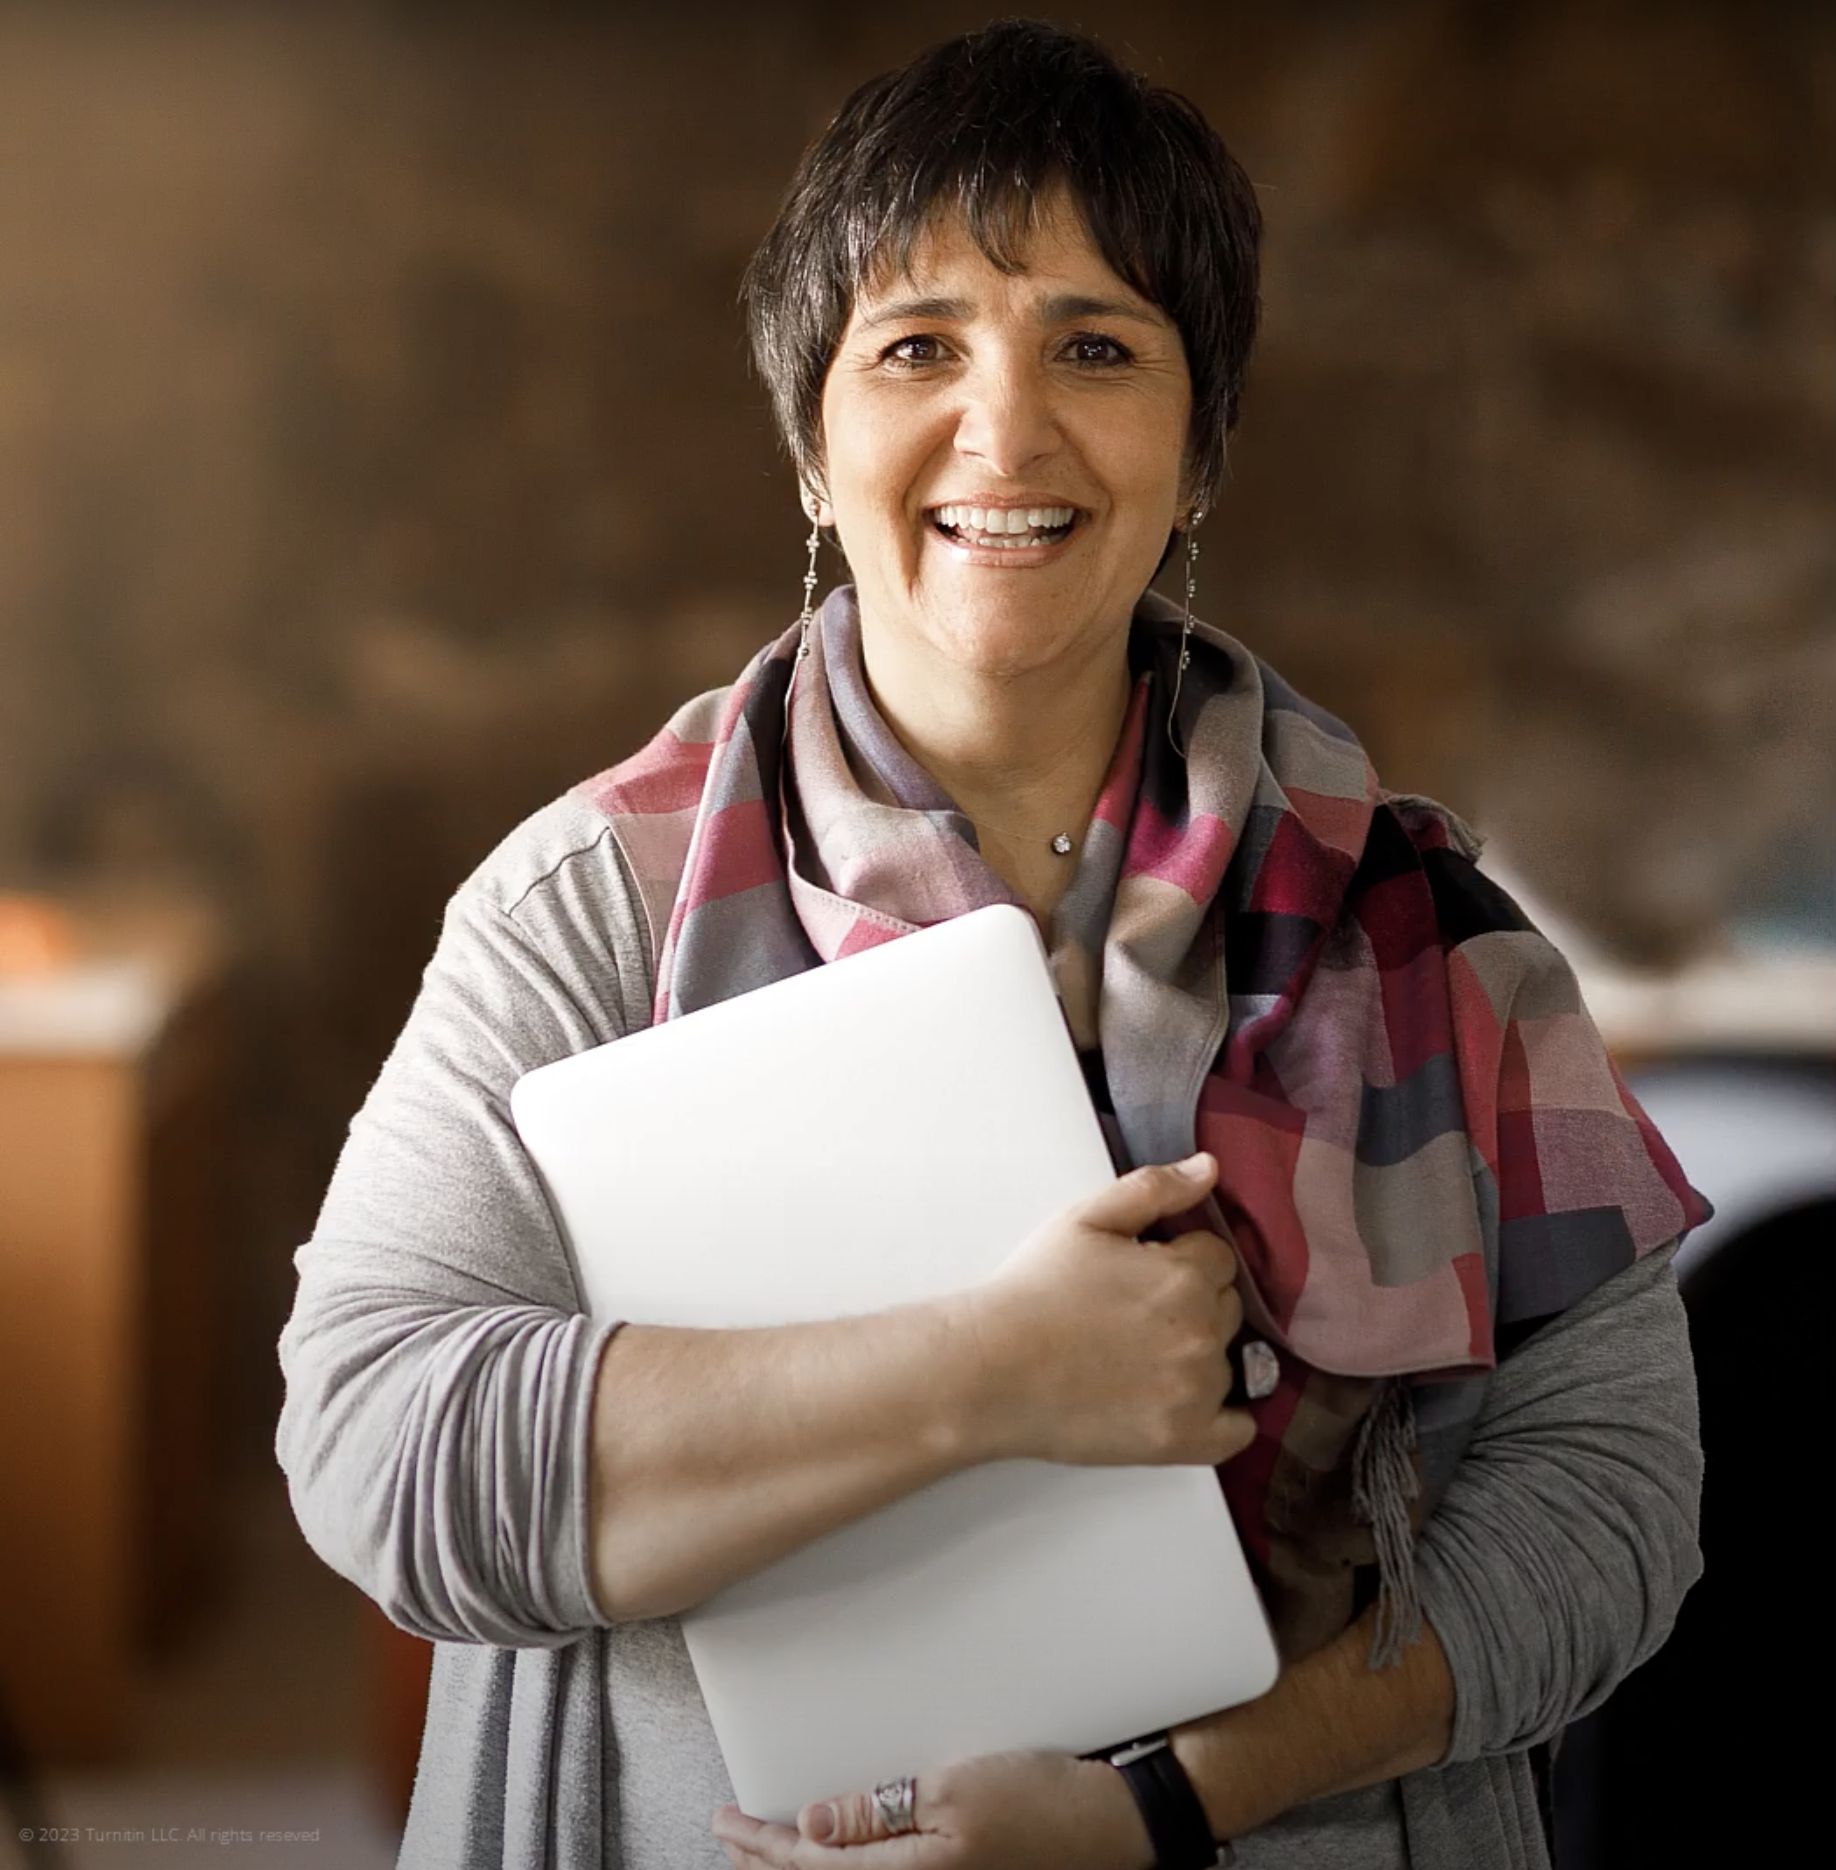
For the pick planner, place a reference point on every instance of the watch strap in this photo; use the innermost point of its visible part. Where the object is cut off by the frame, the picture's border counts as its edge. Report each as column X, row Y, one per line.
column 1175, row 1819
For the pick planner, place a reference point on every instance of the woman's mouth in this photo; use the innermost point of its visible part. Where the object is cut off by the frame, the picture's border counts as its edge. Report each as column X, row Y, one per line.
column 1006, row 529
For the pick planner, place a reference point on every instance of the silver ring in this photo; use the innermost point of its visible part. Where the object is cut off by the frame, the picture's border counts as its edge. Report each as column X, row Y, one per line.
column 894, row 1801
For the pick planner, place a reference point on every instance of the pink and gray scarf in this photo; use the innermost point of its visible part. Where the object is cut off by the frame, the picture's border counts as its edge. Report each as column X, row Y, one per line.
column 1424, row 1149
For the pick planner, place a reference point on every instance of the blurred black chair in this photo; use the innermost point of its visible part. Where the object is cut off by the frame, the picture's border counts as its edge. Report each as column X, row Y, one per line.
column 1722, row 1749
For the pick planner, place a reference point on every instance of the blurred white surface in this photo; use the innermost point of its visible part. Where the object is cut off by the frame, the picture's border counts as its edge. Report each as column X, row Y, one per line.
column 1756, row 1139
column 114, row 1006
column 1780, row 1001
column 1750, row 997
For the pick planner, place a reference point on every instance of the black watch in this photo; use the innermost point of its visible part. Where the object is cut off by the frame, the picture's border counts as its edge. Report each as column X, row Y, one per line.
column 1170, row 1808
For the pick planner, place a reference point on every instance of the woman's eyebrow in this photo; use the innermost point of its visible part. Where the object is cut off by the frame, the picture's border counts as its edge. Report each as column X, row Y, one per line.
column 1070, row 305
column 1055, row 311
column 901, row 311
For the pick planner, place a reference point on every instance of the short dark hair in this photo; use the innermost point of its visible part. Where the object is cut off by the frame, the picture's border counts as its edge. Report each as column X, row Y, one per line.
column 989, row 126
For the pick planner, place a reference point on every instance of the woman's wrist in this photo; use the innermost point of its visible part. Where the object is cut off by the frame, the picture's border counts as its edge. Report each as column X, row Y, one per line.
column 1115, row 1808
column 1211, row 1753
column 980, row 1413
column 1330, row 1724
column 1178, row 1825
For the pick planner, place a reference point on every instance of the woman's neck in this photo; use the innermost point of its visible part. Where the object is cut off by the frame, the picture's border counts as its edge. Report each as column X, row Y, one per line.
column 1023, row 754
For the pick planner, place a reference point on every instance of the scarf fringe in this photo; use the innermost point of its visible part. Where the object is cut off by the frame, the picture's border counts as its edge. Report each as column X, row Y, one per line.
column 1384, row 1485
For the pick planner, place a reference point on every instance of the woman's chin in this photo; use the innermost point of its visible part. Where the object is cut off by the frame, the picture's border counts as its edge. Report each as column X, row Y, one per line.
column 1002, row 642
column 994, row 625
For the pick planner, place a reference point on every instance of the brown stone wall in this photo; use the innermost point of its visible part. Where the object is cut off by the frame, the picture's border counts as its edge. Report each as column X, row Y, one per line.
column 378, row 453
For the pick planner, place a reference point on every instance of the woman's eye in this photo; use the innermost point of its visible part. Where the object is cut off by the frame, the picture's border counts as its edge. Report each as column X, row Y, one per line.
column 914, row 350
column 1091, row 347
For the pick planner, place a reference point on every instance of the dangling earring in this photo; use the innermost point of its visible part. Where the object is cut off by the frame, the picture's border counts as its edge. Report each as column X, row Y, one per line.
column 809, row 590
column 1185, row 627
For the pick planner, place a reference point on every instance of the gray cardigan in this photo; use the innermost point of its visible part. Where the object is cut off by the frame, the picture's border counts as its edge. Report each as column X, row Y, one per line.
column 436, row 1429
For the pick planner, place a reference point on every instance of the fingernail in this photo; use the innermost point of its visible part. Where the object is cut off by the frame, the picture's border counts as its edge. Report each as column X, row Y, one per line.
column 819, row 1822
column 1196, row 1166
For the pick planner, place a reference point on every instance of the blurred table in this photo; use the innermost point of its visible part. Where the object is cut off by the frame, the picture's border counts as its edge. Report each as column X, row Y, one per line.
column 114, row 1096
column 1753, row 1003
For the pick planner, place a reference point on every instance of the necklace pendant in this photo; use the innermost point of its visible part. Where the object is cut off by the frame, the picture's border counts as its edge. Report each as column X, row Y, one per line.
column 1062, row 844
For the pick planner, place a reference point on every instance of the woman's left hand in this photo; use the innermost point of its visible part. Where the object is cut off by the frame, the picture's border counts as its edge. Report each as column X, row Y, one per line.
column 1004, row 1811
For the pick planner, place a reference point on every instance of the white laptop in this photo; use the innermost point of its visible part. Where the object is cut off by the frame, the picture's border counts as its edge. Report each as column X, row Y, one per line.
column 885, row 1129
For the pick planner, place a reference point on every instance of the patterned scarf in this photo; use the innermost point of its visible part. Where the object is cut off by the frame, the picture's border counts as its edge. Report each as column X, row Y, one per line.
column 1424, row 1149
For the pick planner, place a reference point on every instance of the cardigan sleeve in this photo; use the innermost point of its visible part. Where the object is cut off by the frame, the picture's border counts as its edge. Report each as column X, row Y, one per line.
column 1561, row 1551
column 439, row 1366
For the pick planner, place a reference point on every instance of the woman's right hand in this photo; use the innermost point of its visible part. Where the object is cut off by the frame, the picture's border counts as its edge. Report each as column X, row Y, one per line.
column 1095, row 1347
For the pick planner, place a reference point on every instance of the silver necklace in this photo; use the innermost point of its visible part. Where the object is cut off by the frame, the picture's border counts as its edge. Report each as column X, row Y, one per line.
column 1060, row 844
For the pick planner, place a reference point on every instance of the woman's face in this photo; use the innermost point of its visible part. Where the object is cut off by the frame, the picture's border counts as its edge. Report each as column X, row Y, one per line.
column 1004, row 453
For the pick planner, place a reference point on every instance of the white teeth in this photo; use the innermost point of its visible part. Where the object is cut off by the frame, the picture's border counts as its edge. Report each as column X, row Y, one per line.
column 1002, row 525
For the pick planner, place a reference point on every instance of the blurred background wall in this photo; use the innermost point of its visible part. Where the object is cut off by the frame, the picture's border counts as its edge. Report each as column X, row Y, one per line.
column 379, row 455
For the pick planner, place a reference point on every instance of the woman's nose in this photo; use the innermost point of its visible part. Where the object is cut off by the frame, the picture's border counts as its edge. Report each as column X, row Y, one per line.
column 1007, row 422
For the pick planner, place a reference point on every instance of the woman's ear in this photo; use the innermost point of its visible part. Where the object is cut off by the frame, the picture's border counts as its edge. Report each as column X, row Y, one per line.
column 1192, row 507
column 816, row 507
column 1194, row 499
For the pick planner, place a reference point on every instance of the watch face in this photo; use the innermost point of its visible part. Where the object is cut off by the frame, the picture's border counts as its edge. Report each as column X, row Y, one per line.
column 1138, row 1750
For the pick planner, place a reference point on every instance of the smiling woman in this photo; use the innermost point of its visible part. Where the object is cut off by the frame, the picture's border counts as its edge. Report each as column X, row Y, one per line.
column 1005, row 451
column 1011, row 282
column 1004, row 317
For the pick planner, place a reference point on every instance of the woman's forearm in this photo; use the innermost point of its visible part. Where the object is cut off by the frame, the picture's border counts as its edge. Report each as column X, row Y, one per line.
column 1330, row 1724
column 716, row 1452
column 1556, row 1560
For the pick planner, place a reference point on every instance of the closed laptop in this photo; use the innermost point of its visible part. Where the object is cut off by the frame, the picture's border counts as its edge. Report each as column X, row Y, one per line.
column 886, row 1129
